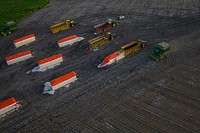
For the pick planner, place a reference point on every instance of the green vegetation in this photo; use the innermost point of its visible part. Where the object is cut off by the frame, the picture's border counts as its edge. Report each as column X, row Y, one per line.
column 15, row 10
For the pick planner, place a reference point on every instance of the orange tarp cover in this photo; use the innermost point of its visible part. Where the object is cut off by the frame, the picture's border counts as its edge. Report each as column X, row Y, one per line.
column 24, row 38
column 18, row 55
column 7, row 102
column 43, row 61
column 63, row 78
column 109, row 57
column 67, row 38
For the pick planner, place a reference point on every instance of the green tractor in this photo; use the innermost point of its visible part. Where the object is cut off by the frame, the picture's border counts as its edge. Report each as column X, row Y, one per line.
column 142, row 43
column 111, row 36
column 72, row 23
column 8, row 28
column 160, row 50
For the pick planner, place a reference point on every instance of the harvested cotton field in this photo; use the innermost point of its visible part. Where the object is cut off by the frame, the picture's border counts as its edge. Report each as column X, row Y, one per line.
column 135, row 94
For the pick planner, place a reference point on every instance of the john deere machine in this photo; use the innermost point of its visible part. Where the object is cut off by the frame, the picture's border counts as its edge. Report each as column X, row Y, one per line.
column 8, row 28
column 160, row 50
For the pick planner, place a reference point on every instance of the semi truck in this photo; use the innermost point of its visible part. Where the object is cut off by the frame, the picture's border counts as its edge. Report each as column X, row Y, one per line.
column 160, row 50
column 123, row 52
column 62, row 26
column 8, row 28
column 105, row 26
column 95, row 43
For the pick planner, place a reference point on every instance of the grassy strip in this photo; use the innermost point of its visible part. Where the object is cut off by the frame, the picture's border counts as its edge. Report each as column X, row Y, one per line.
column 16, row 10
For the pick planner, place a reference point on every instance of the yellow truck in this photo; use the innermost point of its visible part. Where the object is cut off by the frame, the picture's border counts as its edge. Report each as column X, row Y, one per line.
column 123, row 52
column 62, row 26
column 100, row 40
column 132, row 47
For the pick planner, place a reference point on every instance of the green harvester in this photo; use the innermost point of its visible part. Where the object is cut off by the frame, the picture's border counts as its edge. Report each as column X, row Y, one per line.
column 160, row 50
column 8, row 28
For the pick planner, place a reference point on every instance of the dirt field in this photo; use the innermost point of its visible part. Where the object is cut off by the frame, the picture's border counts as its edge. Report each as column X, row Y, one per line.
column 134, row 95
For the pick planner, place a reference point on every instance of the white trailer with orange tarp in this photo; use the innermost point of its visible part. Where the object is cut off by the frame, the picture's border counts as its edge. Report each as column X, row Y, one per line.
column 65, row 80
column 47, row 63
column 8, row 106
column 50, row 61
column 123, row 52
column 18, row 57
column 24, row 40
column 114, row 57
column 69, row 40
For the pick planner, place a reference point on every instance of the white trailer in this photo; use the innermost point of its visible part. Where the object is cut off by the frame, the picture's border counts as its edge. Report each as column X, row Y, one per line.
column 18, row 57
column 24, row 40
column 8, row 106
column 50, row 61
column 52, row 86
column 69, row 40
column 114, row 57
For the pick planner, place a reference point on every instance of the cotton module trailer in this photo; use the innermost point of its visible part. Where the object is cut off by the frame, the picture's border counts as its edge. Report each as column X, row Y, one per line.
column 19, row 57
column 123, row 52
column 101, row 40
column 62, row 26
column 105, row 26
column 8, row 106
column 132, row 47
column 69, row 40
column 8, row 28
column 65, row 80
column 160, row 50
column 24, row 40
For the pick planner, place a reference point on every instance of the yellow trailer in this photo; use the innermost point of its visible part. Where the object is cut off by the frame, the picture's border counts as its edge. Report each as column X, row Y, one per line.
column 62, row 26
column 132, row 47
column 100, row 40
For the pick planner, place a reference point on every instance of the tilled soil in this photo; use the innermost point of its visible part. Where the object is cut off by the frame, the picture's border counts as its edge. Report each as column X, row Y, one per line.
column 135, row 94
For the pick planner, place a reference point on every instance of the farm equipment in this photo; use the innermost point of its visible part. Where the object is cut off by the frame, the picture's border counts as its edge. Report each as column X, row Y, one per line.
column 101, row 40
column 160, row 50
column 123, row 52
column 62, row 26
column 105, row 26
column 132, row 47
column 8, row 28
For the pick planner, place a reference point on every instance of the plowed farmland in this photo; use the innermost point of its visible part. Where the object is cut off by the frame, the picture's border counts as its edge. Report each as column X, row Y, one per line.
column 135, row 94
